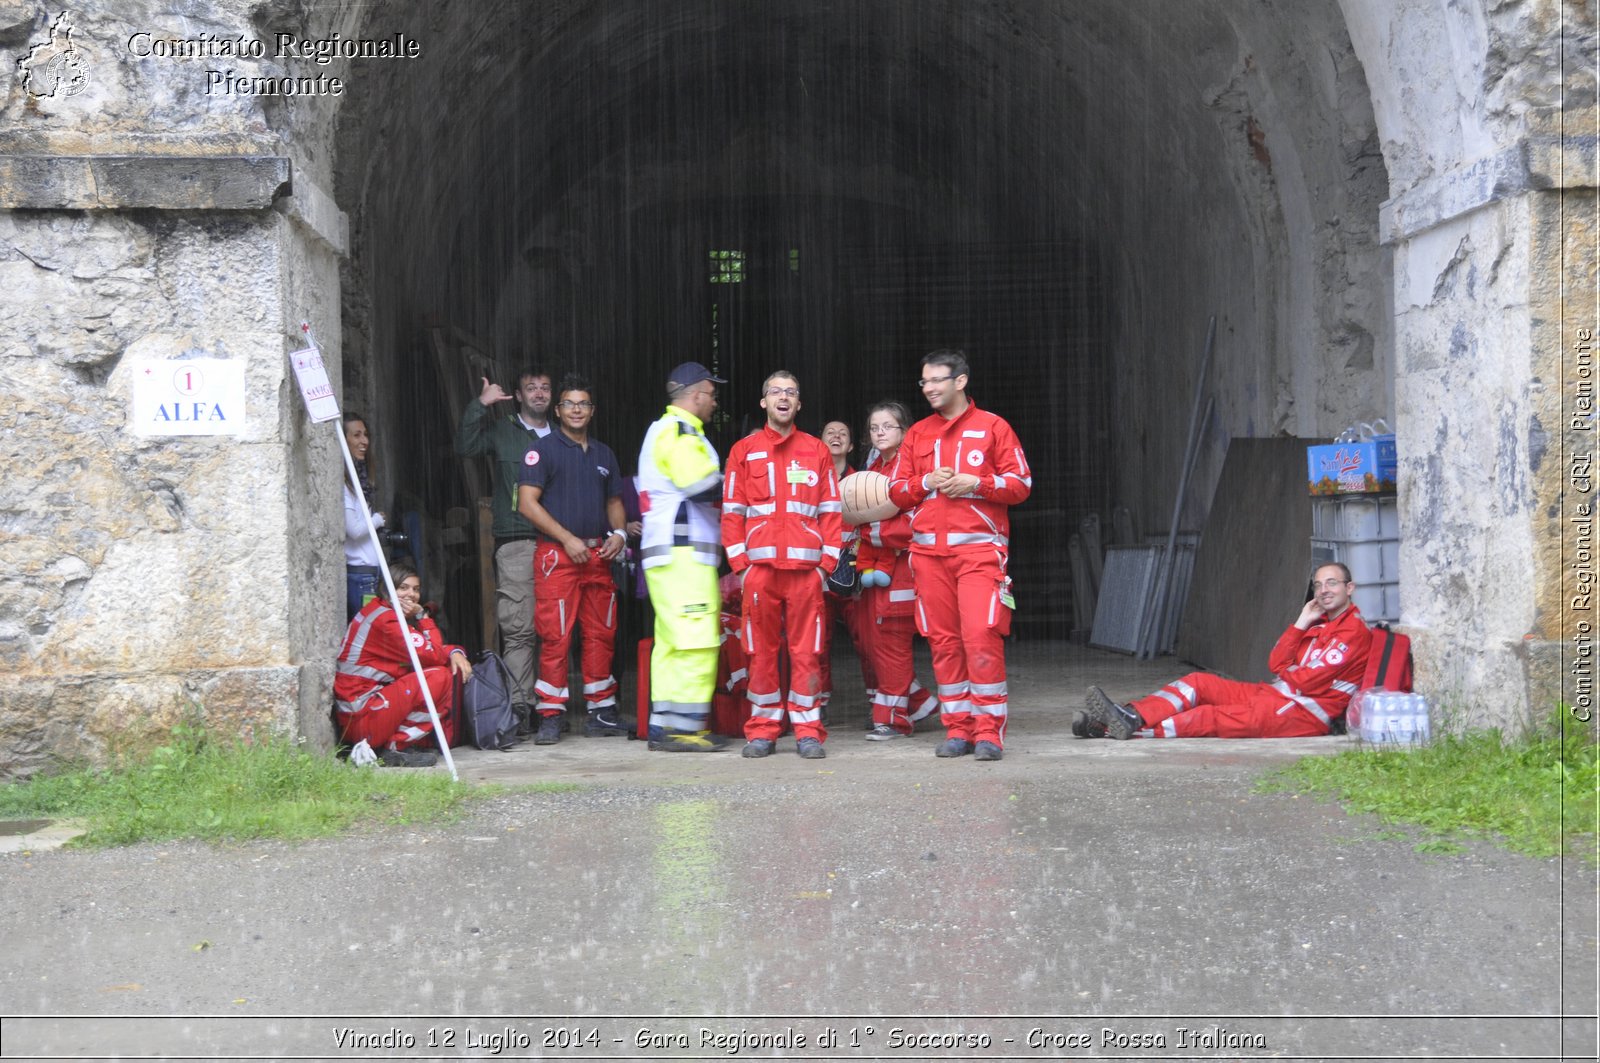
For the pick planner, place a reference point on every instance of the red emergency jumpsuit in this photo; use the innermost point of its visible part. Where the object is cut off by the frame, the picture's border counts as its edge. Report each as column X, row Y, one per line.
column 899, row 701
column 853, row 615
column 1318, row 671
column 959, row 548
column 569, row 593
column 378, row 696
column 781, row 529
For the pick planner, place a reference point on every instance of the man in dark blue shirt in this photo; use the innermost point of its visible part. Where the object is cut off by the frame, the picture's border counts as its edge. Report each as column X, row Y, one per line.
column 570, row 490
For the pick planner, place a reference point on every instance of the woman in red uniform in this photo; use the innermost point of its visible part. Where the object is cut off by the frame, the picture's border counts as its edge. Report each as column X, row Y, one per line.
column 846, row 611
column 888, row 601
column 378, row 695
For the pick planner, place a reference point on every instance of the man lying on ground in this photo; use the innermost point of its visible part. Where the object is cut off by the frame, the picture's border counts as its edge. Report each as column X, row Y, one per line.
column 1318, row 660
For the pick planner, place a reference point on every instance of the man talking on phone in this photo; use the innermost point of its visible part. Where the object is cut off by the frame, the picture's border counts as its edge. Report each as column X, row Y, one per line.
column 1318, row 661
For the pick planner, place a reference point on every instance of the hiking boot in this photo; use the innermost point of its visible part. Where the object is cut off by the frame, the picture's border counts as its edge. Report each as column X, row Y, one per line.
column 689, row 742
column 987, row 751
column 549, row 731
column 1083, row 727
column 810, row 749
column 1119, row 721
column 758, row 747
column 603, row 723
column 882, row 732
column 953, row 747
column 408, row 758
column 527, row 720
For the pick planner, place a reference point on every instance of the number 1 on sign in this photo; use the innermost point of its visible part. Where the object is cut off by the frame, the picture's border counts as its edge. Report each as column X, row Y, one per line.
column 187, row 380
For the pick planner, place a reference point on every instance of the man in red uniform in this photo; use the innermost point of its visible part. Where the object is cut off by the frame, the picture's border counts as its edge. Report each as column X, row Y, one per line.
column 960, row 471
column 781, row 530
column 1318, row 660
column 378, row 696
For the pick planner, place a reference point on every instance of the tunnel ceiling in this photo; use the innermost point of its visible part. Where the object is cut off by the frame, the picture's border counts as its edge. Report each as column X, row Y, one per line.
column 992, row 120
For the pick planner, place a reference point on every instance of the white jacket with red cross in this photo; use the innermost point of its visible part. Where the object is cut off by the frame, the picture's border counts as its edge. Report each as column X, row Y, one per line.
column 780, row 504
column 980, row 444
column 1321, row 667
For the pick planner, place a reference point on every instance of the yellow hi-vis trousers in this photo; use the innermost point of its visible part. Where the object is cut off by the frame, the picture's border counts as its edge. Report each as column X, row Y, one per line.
column 688, row 640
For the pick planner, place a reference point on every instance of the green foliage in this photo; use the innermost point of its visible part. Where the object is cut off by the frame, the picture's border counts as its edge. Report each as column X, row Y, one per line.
column 196, row 786
column 1538, row 794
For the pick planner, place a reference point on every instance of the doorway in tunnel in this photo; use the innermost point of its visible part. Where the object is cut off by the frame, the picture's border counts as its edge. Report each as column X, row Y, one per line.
column 850, row 302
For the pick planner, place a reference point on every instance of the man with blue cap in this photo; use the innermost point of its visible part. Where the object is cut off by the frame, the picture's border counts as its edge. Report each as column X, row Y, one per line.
column 680, row 481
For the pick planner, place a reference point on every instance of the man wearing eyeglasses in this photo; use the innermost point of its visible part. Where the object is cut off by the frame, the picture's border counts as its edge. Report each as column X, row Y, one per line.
column 571, row 492
column 961, row 469
column 1318, row 661
column 781, row 526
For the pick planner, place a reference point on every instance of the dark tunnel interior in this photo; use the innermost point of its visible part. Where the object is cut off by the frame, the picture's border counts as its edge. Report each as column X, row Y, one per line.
column 834, row 189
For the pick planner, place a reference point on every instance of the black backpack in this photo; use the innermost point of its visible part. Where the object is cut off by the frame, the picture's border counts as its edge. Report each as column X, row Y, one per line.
column 842, row 580
column 487, row 721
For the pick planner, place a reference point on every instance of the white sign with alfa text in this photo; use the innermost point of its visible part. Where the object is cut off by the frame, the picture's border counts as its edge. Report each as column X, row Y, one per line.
column 189, row 397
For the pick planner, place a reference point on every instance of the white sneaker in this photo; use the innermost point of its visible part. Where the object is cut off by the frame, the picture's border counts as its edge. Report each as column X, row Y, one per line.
column 882, row 733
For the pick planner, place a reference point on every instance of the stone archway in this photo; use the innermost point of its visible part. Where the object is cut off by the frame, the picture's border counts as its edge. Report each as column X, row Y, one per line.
column 1342, row 187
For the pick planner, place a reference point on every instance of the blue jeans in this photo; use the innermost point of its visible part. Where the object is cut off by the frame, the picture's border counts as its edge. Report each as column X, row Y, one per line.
column 361, row 584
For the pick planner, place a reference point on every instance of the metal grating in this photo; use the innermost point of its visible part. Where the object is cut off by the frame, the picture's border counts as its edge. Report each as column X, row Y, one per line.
column 1124, row 590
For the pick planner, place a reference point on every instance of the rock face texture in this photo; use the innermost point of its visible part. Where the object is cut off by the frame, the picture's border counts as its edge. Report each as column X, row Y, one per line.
column 1389, row 204
column 150, row 578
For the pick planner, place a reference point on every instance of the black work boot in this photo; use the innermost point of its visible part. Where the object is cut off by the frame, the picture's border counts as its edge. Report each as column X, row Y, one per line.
column 549, row 731
column 1120, row 721
column 604, row 723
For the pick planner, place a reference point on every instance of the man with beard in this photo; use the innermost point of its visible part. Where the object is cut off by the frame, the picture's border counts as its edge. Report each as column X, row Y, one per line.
column 509, row 441
column 961, row 469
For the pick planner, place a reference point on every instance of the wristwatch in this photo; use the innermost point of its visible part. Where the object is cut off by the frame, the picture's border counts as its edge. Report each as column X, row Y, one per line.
column 618, row 531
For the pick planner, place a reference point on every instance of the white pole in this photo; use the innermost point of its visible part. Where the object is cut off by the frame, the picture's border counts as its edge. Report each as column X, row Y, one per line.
column 388, row 583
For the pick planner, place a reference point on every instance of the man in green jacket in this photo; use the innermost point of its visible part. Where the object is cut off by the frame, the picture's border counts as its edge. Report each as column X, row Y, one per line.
column 509, row 440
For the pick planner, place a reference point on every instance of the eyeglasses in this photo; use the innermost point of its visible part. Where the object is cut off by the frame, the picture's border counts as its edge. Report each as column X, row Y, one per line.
column 778, row 393
column 883, row 429
column 1330, row 584
column 933, row 380
column 568, row 404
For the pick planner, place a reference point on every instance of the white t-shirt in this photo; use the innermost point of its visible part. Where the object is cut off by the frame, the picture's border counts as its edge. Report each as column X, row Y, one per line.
column 359, row 549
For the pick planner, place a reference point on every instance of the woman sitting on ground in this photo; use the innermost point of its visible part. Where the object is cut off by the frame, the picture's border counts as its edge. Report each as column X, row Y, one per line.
column 379, row 697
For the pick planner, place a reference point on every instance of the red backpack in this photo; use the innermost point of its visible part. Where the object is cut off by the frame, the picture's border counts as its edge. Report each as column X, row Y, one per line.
column 1388, row 661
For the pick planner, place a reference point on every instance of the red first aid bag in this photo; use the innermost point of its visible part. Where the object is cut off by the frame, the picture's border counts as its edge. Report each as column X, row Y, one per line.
column 1388, row 661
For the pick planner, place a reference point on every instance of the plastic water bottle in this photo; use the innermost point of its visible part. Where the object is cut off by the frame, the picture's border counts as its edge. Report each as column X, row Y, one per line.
column 1402, row 724
column 1422, row 726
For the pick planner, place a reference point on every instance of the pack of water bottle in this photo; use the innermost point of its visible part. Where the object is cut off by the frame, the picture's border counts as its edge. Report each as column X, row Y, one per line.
column 1390, row 717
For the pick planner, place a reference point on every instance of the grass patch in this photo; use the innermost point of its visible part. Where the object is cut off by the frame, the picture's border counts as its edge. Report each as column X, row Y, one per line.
column 197, row 786
column 1538, row 795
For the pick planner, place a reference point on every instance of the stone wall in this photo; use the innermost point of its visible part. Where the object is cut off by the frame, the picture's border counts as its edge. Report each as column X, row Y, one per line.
column 1487, row 121
column 146, row 578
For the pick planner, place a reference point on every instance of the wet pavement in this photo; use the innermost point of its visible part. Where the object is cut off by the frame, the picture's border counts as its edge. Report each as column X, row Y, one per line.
column 1080, row 898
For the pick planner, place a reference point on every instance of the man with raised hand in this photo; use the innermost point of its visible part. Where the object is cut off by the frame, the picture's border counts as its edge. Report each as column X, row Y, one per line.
column 509, row 440
column 1319, row 661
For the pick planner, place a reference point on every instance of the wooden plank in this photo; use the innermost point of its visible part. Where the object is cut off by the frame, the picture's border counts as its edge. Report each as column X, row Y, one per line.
column 486, row 579
column 1251, row 570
